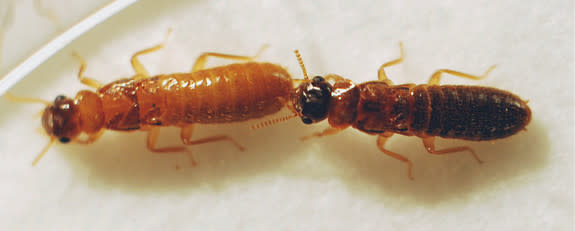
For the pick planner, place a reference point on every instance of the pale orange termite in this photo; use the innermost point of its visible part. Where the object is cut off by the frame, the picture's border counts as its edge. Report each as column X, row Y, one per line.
column 224, row 94
column 380, row 108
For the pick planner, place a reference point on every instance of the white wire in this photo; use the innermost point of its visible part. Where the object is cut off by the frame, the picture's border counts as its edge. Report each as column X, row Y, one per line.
column 60, row 42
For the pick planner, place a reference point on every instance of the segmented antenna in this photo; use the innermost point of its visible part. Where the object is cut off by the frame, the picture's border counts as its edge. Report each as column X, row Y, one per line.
column 272, row 121
column 37, row 159
column 301, row 64
column 18, row 99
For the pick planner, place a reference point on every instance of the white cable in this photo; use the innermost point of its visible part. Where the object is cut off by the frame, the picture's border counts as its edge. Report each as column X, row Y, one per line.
column 60, row 42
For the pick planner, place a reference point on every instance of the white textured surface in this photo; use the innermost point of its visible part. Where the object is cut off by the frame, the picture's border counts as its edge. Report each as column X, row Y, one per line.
column 335, row 183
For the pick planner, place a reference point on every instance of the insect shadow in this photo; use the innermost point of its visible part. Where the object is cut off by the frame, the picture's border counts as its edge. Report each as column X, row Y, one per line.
column 369, row 172
column 121, row 161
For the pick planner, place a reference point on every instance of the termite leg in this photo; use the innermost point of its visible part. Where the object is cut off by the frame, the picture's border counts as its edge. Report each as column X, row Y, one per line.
column 188, row 130
column 381, row 72
column 434, row 79
column 202, row 59
column 381, row 139
column 326, row 132
column 429, row 143
column 83, row 79
column 151, row 142
column 153, row 136
column 141, row 72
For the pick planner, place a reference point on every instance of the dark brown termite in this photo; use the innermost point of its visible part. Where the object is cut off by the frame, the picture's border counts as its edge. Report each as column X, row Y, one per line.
column 224, row 94
column 429, row 110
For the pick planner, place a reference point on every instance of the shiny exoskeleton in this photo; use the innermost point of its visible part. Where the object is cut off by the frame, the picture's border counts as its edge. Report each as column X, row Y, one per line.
column 231, row 93
column 224, row 94
column 458, row 112
column 426, row 111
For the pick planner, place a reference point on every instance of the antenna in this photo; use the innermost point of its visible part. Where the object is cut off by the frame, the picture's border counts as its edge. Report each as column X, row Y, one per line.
column 18, row 99
column 301, row 64
column 43, row 151
column 272, row 121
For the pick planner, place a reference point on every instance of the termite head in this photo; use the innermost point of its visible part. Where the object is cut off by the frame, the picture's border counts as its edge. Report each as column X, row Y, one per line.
column 60, row 120
column 311, row 100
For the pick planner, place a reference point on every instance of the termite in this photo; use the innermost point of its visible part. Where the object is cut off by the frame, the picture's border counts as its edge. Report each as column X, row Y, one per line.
column 427, row 111
column 224, row 94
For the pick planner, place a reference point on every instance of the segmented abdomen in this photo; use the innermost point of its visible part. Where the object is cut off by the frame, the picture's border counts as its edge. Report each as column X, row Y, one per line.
column 231, row 93
column 460, row 112
column 469, row 112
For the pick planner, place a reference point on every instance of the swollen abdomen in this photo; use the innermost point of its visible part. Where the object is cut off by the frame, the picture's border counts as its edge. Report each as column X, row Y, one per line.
column 459, row 112
column 229, row 93
column 467, row 112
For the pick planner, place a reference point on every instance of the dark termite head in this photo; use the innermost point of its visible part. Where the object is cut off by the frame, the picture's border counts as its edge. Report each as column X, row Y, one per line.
column 311, row 100
column 60, row 120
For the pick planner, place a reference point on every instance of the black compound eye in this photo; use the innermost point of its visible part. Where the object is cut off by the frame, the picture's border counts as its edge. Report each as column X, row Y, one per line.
column 59, row 98
column 318, row 79
column 306, row 120
column 64, row 140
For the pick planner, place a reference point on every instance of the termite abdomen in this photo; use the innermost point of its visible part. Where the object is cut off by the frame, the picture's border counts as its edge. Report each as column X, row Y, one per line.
column 471, row 112
column 459, row 112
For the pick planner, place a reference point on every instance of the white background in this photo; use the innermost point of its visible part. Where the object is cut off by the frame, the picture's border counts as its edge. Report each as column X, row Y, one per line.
column 340, row 182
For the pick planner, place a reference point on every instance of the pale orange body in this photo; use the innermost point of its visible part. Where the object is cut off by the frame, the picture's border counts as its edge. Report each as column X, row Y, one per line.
column 224, row 94
column 231, row 93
